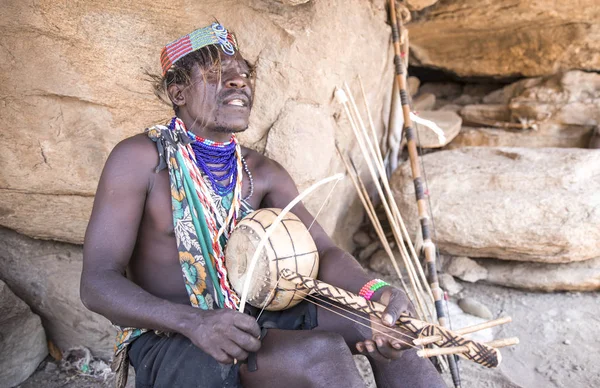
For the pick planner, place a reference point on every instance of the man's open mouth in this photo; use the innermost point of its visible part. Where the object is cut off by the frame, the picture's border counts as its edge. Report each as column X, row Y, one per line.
column 236, row 102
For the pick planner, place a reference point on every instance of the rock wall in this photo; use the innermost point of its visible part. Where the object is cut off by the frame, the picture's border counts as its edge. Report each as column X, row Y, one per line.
column 507, row 38
column 72, row 84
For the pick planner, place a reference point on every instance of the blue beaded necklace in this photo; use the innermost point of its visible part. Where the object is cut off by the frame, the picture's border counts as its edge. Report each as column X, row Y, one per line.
column 214, row 158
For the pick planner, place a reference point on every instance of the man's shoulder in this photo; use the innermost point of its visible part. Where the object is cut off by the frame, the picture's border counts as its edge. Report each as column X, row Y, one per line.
column 135, row 152
column 259, row 161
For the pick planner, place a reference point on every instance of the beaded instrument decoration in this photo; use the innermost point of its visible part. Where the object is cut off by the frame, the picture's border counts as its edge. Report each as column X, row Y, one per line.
column 215, row 34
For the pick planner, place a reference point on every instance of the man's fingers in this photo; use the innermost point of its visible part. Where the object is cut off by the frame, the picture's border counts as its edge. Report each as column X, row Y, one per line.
column 222, row 357
column 244, row 340
column 234, row 351
column 360, row 347
column 247, row 323
column 396, row 305
column 386, row 349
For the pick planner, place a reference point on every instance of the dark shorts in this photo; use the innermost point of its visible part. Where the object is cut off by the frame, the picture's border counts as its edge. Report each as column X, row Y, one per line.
column 173, row 361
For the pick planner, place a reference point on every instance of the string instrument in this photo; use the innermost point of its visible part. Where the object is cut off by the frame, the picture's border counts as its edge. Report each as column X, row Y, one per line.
column 284, row 274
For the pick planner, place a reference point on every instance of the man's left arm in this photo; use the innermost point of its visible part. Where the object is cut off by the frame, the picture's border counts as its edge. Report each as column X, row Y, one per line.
column 336, row 266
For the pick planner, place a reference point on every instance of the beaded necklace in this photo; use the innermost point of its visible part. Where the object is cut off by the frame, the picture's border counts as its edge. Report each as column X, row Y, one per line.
column 218, row 161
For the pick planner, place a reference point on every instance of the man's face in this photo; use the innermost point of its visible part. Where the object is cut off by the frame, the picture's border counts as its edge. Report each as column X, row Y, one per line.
column 221, row 99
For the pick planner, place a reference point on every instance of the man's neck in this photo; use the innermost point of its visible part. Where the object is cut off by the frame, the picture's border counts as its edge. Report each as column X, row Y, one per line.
column 216, row 135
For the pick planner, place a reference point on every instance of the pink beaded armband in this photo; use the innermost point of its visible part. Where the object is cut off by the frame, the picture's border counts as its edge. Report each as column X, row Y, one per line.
column 369, row 289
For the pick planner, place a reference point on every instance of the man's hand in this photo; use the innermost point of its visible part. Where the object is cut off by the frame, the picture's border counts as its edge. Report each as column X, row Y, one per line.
column 388, row 341
column 224, row 334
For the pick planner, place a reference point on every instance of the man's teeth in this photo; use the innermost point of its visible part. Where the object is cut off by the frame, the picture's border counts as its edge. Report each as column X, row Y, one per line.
column 236, row 102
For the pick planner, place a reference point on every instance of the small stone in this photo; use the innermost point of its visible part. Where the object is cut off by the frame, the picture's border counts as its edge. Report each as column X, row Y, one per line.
column 361, row 239
column 368, row 251
column 466, row 269
column 567, row 342
column 473, row 307
column 50, row 367
column 450, row 285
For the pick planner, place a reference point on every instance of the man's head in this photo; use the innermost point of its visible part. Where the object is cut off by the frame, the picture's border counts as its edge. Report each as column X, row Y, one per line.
column 207, row 81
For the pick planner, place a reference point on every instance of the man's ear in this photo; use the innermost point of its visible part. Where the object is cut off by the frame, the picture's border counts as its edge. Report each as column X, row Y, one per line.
column 176, row 95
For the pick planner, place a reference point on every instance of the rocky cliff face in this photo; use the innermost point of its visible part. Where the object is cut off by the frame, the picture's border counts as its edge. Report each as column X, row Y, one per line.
column 73, row 85
column 507, row 38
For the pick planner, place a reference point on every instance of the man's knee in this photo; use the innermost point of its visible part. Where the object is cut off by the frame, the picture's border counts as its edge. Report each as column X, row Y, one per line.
column 325, row 348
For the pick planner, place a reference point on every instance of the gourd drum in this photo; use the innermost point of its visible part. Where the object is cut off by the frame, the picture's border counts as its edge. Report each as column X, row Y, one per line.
column 290, row 246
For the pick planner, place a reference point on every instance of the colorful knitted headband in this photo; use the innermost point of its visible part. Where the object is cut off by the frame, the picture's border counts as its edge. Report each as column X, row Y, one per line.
column 215, row 34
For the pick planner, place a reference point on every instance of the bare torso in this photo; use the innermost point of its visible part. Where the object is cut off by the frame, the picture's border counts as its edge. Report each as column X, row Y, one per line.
column 154, row 264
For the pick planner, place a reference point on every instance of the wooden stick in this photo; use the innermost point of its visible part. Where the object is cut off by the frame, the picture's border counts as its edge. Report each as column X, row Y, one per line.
column 343, row 99
column 370, row 210
column 464, row 330
column 501, row 343
column 484, row 325
column 442, row 351
column 390, row 199
column 428, row 245
column 390, row 203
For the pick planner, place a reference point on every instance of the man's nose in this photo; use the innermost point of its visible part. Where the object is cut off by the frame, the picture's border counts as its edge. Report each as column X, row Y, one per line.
column 236, row 82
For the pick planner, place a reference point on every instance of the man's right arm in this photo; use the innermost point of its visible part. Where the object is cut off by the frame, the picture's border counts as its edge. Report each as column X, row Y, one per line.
column 110, row 239
column 109, row 243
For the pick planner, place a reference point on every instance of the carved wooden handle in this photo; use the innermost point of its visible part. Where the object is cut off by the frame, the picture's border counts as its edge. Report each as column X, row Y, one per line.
column 475, row 351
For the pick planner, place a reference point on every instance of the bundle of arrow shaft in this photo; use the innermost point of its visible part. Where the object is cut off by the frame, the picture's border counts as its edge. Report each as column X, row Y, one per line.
column 423, row 285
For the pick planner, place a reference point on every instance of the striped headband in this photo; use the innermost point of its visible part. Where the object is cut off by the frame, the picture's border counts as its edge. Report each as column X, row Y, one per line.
column 215, row 34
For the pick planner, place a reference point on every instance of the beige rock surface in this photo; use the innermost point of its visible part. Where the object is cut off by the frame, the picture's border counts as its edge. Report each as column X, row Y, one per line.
column 46, row 276
column 547, row 135
column 578, row 276
column 22, row 339
column 507, row 38
column 521, row 204
column 417, row 5
column 72, row 84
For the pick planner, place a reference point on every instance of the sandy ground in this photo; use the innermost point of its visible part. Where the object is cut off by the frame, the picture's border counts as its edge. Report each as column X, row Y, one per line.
column 559, row 333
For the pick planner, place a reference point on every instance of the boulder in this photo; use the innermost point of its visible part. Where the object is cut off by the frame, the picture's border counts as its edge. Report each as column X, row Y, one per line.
column 46, row 276
column 465, row 269
column 64, row 109
column 448, row 122
column 510, row 203
column 22, row 339
column 423, row 102
column 507, row 38
column 577, row 276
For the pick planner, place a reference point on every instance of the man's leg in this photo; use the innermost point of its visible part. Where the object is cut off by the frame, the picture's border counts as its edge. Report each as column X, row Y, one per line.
column 303, row 359
column 174, row 362
column 408, row 371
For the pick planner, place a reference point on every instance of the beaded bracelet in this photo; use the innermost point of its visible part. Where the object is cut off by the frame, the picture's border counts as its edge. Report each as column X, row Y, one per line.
column 370, row 287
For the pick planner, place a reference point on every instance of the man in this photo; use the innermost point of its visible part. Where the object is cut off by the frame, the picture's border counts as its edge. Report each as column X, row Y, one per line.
column 165, row 205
